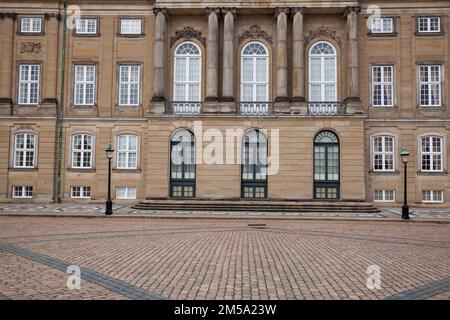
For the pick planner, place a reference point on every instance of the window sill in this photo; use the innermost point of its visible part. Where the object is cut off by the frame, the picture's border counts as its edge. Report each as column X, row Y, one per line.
column 429, row 34
column 431, row 108
column 384, row 173
column 20, row 33
column 86, row 35
column 382, row 34
column 119, row 106
column 138, row 170
column 34, row 169
column 87, row 170
column 120, row 35
column 432, row 173
column 83, row 107
column 383, row 108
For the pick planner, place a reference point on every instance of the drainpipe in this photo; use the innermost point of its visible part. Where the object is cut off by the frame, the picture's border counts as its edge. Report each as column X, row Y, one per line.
column 60, row 115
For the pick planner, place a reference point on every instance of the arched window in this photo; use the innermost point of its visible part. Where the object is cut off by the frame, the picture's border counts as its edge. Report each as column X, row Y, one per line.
column 254, row 165
column 82, row 151
column 127, row 151
column 182, row 164
column 24, row 150
column 187, row 73
column 326, row 166
column 255, row 73
column 322, row 72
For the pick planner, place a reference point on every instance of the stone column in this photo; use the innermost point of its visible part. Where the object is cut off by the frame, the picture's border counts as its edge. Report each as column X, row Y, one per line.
column 160, row 55
column 352, row 30
column 212, row 55
column 228, row 92
column 298, row 57
column 281, row 58
column 7, row 51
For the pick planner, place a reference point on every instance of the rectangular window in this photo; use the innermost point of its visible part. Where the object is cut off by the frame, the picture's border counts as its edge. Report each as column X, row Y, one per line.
column 429, row 24
column 432, row 153
column 29, row 84
column 24, row 150
column 31, row 25
column 130, row 26
column 382, row 86
column 82, row 151
column 382, row 25
column 22, row 192
column 430, row 196
column 84, row 90
column 129, row 85
column 80, row 192
column 86, row 26
column 383, row 153
column 126, row 193
column 430, row 85
column 127, row 146
column 384, row 195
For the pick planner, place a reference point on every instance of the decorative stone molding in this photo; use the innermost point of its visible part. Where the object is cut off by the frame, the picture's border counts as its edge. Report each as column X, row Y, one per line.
column 255, row 32
column 349, row 9
column 279, row 10
column 228, row 9
column 9, row 15
column 188, row 33
column 215, row 10
column 30, row 47
column 322, row 32
column 161, row 10
column 49, row 16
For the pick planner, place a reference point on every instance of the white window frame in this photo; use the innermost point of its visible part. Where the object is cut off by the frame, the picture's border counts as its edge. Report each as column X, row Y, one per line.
column 383, row 195
column 27, row 83
column 254, row 82
column 83, row 83
column 23, row 192
column 383, row 83
column 127, row 152
column 432, row 196
column 381, row 22
column 128, row 30
column 25, row 150
column 432, row 153
column 428, row 24
column 383, row 153
column 128, row 84
column 186, row 82
column 82, row 26
column 127, row 192
column 430, row 84
column 82, row 151
column 322, row 82
column 31, row 24
column 84, row 192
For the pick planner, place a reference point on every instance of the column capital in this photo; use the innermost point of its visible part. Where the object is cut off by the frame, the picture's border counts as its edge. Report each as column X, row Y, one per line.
column 210, row 10
column 351, row 9
column 164, row 11
column 280, row 10
column 297, row 10
column 9, row 15
column 232, row 10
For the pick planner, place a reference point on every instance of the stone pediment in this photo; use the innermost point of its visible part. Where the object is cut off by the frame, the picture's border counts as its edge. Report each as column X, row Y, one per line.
column 323, row 31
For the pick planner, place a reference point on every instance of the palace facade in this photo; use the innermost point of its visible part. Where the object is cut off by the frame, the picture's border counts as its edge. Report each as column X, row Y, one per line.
column 328, row 92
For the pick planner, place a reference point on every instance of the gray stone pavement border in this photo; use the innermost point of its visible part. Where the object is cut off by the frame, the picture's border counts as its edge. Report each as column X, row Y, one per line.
column 426, row 291
column 3, row 297
column 114, row 285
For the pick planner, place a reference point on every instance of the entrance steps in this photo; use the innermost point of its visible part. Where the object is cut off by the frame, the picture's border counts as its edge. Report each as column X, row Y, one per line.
column 254, row 205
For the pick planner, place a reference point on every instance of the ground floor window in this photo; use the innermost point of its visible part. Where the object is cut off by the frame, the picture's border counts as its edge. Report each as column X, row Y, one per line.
column 182, row 164
column 384, row 195
column 22, row 192
column 80, row 192
column 126, row 193
column 432, row 196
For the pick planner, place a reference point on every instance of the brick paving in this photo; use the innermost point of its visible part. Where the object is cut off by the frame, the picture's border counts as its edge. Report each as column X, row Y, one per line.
column 201, row 258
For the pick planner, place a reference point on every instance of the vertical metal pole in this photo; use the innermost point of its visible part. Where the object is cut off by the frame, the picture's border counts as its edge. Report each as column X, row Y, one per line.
column 108, row 201
column 405, row 208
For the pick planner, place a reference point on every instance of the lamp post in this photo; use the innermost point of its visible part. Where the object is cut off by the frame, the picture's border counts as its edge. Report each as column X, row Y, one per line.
column 404, row 153
column 109, row 154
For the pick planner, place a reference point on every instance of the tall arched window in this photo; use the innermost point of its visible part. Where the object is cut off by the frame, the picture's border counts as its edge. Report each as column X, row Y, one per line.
column 182, row 164
column 322, row 72
column 254, row 165
column 326, row 166
column 187, row 77
column 254, row 78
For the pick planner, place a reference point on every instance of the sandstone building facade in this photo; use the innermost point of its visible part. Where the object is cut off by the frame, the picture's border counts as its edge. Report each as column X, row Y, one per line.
column 332, row 89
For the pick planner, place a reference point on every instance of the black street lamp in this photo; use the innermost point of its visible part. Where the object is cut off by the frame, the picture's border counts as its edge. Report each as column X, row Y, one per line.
column 404, row 153
column 109, row 154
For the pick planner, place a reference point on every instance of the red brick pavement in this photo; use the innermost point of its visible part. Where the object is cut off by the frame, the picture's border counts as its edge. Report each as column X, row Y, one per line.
column 210, row 259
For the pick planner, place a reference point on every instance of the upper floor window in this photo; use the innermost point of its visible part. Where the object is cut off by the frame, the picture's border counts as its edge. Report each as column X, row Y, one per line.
column 383, row 153
column 86, row 26
column 187, row 73
column 429, row 24
column 322, row 72
column 29, row 83
column 382, row 86
column 430, row 85
column 31, row 25
column 127, row 149
column 254, row 73
column 84, row 85
column 432, row 153
column 82, row 151
column 131, row 26
column 129, row 85
column 382, row 25
column 24, row 150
